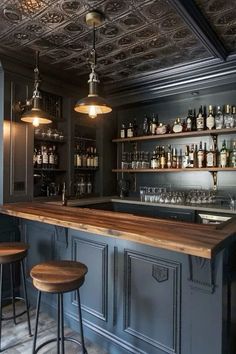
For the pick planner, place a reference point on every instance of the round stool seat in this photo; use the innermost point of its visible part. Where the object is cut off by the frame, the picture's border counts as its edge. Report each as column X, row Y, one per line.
column 58, row 276
column 12, row 251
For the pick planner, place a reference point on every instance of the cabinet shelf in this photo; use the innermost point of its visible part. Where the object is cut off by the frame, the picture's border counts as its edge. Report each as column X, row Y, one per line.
column 49, row 170
column 177, row 135
column 85, row 168
column 49, row 140
column 176, row 170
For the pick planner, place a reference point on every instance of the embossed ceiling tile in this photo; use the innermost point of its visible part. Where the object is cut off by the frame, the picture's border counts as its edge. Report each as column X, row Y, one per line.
column 115, row 8
column 182, row 33
column 74, row 28
column 110, row 31
column 76, row 46
column 131, row 21
column 106, row 49
column 57, row 38
column 215, row 6
column 125, row 40
column 72, row 8
column 156, row 9
column 58, row 55
column 146, row 32
column 159, row 42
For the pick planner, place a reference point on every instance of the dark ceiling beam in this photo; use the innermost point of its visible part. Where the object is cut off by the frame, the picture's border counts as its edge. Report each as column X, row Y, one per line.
column 191, row 14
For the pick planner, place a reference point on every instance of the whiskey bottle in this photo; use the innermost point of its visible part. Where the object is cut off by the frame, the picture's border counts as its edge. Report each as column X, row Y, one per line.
column 200, row 120
column 233, row 156
column 169, row 157
column 51, row 159
column 174, row 158
column 210, row 121
column 88, row 158
column 130, row 131
column 185, row 162
column 200, row 156
column 96, row 159
column 177, row 127
column 39, row 159
column 145, row 125
column 135, row 128
column 123, row 131
column 189, row 121
column 234, row 114
column 223, row 155
column 154, row 160
column 192, row 157
column 219, row 119
column 153, row 124
column 44, row 157
column 211, row 157
column 163, row 157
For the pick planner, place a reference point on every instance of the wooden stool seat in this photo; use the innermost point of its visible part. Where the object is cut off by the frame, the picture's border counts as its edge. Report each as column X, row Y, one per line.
column 12, row 251
column 58, row 276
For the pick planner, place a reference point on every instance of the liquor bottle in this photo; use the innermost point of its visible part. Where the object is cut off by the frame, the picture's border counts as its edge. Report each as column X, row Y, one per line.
column 130, row 130
column 154, row 160
column 205, row 154
column 88, row 158
column 91, row 156
column 228, row 117
column 219, row 119
column 211, row 157
column 169, row 157
column 185, row 162
column 123, row 131
column 174, row 158
column 189, row 121
column 78, row 158
column 161, row 129
column 210, row 121
column 96, row 159
column 191, row 157
column 163, row 158
column 200, row 120
column 56, row 156
column 51, row 158
column 194, row 123
column 200, row 156
column 89, row 186
column 39, row 159
column 177, row 127
column 145, row 125
column 153, row 124
column 135, row 128
column 234, row 114
column 233, row 156
column 35, row 158
column 44, row 156
column 223, row 155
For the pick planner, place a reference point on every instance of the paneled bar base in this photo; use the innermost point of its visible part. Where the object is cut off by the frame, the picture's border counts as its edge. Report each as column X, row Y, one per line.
column 154, row 286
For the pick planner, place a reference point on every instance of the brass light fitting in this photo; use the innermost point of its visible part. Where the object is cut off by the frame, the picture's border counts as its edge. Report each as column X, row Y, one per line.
column 36, row 115
column 93, row 104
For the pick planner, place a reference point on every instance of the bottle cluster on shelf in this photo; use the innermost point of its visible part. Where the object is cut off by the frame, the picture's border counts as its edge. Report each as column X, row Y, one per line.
column 86, row 157
column 83, row 186
column 213, row 118
column 194, row 156
column 46, row 157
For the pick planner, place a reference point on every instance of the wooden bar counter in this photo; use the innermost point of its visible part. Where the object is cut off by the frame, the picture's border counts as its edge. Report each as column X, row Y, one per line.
column 193, row 239
column 153, row 286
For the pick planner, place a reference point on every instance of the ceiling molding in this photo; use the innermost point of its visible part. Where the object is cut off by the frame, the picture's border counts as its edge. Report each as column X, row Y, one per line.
column 185, row 81
column 195, row 20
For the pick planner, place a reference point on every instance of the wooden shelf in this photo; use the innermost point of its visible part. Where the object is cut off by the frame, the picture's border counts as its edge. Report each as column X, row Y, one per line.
column 175, row 170
column 177, row 135
column 85, row 168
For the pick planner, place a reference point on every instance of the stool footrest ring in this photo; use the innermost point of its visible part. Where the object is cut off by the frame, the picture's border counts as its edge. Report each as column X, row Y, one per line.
column 66, row 339
column 17, row 315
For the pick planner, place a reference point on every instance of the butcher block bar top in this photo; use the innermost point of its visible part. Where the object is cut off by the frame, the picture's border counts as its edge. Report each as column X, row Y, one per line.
column 193, row 239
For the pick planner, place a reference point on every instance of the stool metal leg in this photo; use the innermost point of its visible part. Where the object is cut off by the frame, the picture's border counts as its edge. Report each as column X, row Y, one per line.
column 58, row 323
column 62, row 324
column 84, row 351
column 1, row 271
column 26, row 297
column 36, row 322
column 13, row 293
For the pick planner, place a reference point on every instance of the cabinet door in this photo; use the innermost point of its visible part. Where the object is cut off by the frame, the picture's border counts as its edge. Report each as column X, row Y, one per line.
column 148, row 300
column 97, row 291
column 177, row 214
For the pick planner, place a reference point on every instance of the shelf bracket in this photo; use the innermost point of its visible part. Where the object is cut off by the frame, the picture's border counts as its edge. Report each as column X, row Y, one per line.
column 214, row 176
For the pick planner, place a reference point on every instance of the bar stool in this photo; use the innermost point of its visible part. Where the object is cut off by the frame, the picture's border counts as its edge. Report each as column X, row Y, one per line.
column 59, row 277
column 11, row 253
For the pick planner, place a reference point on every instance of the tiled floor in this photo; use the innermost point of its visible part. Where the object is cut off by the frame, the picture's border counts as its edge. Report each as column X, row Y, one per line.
column 15, row 339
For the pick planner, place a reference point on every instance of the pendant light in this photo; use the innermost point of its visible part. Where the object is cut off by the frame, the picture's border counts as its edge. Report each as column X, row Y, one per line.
column 36, row 115
column 93, row 104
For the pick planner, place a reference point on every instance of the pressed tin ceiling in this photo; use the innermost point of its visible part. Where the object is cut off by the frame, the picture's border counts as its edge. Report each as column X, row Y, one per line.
column 137, row 37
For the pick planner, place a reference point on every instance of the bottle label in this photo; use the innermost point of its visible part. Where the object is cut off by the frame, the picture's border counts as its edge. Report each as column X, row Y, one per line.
column 122, row 133
column 210, row 159
column 189, row 124
column 154, row 163
column 210, row 122
column 200, row 122
column 223, row 159
column 45, row 158
column 130, row 133
column 153, row 128
column 200, row 158
column 39, row 160
column 78, row 160
column 177, row 128
column 51, row 159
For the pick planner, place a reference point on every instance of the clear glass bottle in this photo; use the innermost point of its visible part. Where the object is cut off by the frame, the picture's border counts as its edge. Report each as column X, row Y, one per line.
column 228, row 117
column 154, row 160
column 153, row 124
column 211, row 157
column 39, row 159
column 130, row 130
column 185, row 162
column 177, row 127
column 233, row 156
column 210, row 121
column 96, row 158
column 219, row 119
column 200, row 156
column 189, row 121
column 145, row 125
column 123, row 131
column 163, row 158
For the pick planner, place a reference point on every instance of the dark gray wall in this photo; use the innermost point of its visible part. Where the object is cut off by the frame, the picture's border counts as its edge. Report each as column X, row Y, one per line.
column 1, row 130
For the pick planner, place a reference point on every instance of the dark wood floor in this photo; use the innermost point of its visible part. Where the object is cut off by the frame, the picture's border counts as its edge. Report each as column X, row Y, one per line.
column 15, row 339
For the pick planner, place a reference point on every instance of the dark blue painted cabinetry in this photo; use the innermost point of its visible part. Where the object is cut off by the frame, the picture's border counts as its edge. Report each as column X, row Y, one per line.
column 136, row 298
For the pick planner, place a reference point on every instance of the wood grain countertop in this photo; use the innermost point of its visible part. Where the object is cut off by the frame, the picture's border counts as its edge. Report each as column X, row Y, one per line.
column 193, row 239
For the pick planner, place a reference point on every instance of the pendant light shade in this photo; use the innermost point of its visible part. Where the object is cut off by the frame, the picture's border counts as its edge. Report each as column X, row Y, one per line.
column 93, row 104
column 36, row 115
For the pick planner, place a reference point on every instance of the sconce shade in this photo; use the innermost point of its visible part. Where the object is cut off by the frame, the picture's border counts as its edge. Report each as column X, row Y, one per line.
column 36, row 115
column 100, row 105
